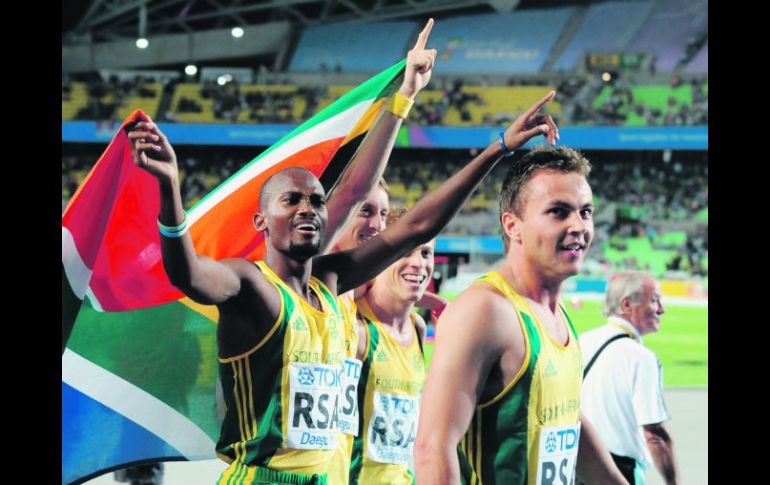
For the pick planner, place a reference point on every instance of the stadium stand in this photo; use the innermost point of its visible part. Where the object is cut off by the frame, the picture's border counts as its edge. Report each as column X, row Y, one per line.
column 606, row 27
column 190, row 106
column 650, row 214
column 650, row 105
column 364, row 47
column 522, row 55
column 517, row 42
column 451, row 103
column 700, row 62
column 145, row 97
column 668, row 30
column 74, row 98
column 652, row 211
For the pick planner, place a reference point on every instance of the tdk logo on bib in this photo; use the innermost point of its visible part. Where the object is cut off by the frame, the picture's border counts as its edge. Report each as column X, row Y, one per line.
column 314, row 391
column 558, row 454
column 306, row 377
column 561, row 440
column 392, row 428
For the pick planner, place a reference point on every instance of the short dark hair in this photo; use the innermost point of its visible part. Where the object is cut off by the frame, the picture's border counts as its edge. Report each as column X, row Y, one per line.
column 267, row 187
column 561, row 158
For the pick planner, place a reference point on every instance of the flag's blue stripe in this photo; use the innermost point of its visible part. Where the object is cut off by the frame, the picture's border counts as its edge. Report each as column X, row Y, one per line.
column 96, row 438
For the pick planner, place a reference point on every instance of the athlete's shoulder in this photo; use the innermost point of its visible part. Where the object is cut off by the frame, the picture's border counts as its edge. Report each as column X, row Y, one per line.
column 480, row 312
column 476, row 300
column 242, row 266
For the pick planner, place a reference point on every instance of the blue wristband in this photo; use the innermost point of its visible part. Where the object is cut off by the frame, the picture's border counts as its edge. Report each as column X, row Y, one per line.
column 506, row 152
column 175, row 231
column 174, row 228
column 174, row 234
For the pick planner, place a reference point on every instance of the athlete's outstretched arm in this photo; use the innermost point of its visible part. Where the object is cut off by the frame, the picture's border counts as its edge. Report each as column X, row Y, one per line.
column 594, row 463
column 433, row 212
column 662, row 449
column 201, row 278
column 433, row 302
column 368, row 164
column 464, row 351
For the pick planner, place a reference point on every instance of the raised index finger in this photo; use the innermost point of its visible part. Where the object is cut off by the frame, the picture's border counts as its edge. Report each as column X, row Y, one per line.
column 422, row 39
column 536, row 107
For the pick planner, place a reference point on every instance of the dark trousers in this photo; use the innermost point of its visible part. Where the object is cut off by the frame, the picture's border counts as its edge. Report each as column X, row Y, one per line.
column 626, row 466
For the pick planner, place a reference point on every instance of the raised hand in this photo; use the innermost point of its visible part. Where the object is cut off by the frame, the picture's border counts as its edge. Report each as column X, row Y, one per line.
column 152, row 151
column 532, row 123
column 419, row 64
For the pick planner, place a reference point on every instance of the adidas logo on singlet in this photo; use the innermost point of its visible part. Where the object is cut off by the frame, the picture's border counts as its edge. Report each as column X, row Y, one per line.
column 417, row 363
column 299, row 324
column 381, row 356
column 550, row 369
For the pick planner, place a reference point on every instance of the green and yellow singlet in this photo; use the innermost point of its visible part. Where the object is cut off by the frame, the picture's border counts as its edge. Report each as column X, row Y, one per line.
column 528, row 434
column 391, row 385
column 339, row 468
column 281, row 397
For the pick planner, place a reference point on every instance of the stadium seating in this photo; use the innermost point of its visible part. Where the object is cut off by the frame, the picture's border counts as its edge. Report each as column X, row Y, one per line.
column 491, row 67
column 499, row 101
column 192, row 92
column 148, row 104
column 668, row 29
column 653, row 97
column 605, row 29
column 333, row 93
column 295, row 106
column 353, row 47
column 499, row 43
column 699, row 63
column 76, row 100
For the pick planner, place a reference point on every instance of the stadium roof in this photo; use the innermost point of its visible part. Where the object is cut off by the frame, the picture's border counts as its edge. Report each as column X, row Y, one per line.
column 86, row 21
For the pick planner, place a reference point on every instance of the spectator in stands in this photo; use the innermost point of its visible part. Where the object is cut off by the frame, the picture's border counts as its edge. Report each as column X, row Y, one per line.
column 622, row 391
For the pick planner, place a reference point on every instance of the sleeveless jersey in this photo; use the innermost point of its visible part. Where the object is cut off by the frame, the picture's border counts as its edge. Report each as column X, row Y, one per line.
column 339, row 468
column 281, row 397
column 389, row 395
column 528, row 433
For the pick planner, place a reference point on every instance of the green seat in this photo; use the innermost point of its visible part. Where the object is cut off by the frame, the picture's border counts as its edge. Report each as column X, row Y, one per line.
column 673, row 238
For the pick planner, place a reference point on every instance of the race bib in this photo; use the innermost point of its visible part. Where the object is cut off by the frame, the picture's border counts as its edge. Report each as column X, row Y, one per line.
column 348, row 412
column 392, row 428
column 558, row 447
column 313, row 400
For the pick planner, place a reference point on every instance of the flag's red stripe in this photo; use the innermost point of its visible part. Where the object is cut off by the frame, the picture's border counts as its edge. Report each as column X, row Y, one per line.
column 129, row 273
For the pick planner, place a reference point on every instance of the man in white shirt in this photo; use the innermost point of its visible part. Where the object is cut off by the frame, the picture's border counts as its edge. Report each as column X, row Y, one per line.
column 622, row 391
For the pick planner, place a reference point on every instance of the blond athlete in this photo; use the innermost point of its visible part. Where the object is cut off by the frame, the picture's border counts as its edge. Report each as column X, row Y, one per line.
column 393, row 371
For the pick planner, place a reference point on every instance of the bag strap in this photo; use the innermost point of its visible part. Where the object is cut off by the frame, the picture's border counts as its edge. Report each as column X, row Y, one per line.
column 593, row 359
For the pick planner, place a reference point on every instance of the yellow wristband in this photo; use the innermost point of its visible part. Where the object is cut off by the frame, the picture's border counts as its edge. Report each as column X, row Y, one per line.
column 399, row 105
